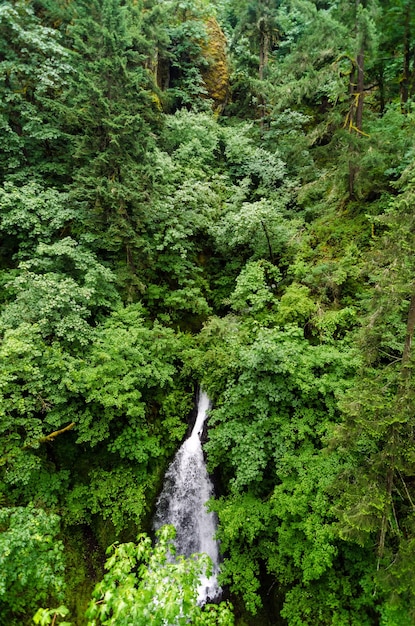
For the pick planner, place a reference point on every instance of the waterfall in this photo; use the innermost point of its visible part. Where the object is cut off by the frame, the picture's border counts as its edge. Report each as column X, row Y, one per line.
column 186, row 489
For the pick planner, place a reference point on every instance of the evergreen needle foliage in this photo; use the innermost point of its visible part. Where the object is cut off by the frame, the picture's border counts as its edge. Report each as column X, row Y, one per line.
column 214, row 193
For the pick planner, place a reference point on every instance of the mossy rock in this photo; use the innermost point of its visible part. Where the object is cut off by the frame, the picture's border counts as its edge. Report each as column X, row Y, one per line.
column 216, row 74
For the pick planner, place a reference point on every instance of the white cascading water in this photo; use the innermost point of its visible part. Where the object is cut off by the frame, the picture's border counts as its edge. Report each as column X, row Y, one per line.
column 187, row 487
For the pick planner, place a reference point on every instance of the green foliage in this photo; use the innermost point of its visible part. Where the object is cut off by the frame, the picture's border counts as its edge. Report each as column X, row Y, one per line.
column 32, row 214
column 259, row 227
column 31, row 561
column 276, row 401
column 206, row 184
column 147, row 585
column 114, row 393
column 34, row 69
column 376, row 442
column 293, row 231
column 33, row 394
column 118, row 495
column 130, row 411
column 252, row 292
column 58, row 291
column 280, row 378
column 128, row 363
column 44, row 617
column 296, row 305
column 112, row 111
column 186, row 30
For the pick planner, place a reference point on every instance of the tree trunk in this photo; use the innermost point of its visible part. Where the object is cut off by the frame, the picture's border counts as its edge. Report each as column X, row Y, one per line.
column 360, row 88
column 263, row 46
column 264, row 40
column 384, row 524
column 410, row 327
column 406, row 60
column 412, row 77
column 356, row 114
column 405, row 376
column 382, row 99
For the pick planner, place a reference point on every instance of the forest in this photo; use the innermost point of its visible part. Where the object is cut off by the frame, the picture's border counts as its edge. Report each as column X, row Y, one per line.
column 215, row 194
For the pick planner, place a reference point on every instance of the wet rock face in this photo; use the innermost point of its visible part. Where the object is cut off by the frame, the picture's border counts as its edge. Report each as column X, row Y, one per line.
column 211, row 62
column 216, row 74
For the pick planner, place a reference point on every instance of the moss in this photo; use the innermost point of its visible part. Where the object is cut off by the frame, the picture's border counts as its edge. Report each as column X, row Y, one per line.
column 216, row 74
column 84, row 567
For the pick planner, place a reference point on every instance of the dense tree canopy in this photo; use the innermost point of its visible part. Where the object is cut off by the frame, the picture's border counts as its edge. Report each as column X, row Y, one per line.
column 215, row 193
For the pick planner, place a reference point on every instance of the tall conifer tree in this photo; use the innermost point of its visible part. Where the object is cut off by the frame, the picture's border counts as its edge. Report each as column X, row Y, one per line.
column 113, row 112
